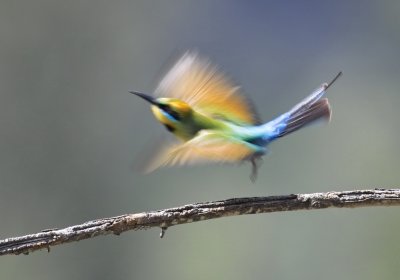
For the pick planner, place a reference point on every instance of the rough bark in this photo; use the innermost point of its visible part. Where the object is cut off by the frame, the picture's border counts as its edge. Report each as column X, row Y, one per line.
column 198, row 212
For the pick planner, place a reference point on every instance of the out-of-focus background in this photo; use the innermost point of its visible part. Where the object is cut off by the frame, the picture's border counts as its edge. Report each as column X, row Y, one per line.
column 70, row 133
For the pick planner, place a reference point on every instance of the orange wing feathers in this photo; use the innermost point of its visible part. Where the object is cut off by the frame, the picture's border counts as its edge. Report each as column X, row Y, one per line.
column 199, row 83
column 206, row 147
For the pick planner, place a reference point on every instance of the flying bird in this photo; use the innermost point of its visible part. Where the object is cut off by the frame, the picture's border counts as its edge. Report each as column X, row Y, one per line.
column 214, row 121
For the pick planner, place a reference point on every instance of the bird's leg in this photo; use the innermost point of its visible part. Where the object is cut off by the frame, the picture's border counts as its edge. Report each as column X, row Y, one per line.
column 256, row 162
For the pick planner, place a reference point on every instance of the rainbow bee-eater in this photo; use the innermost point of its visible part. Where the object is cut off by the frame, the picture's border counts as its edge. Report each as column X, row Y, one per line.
column 214, row 122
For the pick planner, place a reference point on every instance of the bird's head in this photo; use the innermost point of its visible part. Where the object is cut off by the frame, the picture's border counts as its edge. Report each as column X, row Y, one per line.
column 169, row 111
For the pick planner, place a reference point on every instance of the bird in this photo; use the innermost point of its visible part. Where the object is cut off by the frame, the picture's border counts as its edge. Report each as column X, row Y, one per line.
column 213, row 121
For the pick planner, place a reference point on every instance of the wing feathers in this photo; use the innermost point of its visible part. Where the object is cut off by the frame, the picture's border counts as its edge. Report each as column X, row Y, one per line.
column 199, row 83
column 206, row 147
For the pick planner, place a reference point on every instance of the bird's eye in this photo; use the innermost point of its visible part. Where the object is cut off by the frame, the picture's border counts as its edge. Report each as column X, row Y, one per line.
column 171, row 112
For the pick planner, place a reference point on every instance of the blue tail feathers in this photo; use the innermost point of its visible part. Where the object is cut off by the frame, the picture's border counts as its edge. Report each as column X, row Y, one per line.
column 309, row 110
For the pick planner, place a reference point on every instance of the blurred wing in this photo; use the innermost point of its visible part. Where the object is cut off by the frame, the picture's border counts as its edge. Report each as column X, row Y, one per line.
column 206, row 147
column 155, row 146
column 196, row 81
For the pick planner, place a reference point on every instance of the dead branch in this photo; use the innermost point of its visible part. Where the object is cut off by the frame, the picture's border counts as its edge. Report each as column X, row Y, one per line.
column 198, row 212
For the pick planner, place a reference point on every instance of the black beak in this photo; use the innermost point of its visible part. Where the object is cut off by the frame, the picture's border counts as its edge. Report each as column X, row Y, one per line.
column 146, row 97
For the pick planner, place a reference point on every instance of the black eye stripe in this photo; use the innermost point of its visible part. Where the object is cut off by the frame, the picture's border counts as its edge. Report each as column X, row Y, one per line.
column 169, row 111
column 175, row 115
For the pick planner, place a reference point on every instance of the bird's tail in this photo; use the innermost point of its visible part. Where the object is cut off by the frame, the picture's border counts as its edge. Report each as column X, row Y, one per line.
column 311, row 109
column 307, row 114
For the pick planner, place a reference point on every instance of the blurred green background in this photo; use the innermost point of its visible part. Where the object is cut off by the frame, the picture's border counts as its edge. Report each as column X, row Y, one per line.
column 70, row 134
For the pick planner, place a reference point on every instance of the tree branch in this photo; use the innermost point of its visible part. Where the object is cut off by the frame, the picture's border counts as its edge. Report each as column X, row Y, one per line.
column 198, row 212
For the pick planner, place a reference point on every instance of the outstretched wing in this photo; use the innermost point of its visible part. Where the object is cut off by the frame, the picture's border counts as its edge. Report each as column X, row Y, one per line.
column 199, row 83
column 208, row 146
